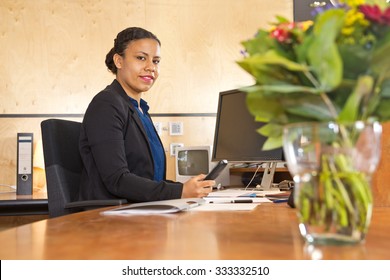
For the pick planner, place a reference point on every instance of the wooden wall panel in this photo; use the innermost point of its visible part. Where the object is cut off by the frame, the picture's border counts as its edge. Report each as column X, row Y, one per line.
column 54, row 50
column 197, row 131
column 52, row 54
column 381, row 179
column 9, row 127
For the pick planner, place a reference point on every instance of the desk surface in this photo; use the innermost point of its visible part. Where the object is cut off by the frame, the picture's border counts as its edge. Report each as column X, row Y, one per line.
column 12, row 204
column 268, row 232
column 14, row 196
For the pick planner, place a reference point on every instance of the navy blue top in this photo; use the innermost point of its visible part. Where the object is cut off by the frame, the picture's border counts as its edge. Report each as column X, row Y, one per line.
column 154, row 142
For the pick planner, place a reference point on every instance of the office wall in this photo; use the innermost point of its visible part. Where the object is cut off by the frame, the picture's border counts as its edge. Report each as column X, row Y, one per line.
column 52, row 63
column 52, row 60
column 54, row 50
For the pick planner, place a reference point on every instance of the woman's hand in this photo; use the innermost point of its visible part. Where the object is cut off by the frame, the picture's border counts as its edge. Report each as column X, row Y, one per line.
column 196, row 187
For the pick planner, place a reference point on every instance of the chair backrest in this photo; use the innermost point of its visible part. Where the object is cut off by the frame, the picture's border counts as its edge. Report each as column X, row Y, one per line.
column 63, row 165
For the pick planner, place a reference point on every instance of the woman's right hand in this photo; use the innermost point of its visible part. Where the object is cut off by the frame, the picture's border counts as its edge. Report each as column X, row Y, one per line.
column 196, row 187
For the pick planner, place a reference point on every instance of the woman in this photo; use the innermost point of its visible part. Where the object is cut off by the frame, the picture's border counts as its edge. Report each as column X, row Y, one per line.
column 122, row 153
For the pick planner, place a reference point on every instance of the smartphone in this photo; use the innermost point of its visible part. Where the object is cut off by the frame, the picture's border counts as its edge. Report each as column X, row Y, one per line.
column 217, row 170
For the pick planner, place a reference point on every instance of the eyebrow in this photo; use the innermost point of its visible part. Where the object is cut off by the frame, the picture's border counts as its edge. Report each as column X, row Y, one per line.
column 148, row 54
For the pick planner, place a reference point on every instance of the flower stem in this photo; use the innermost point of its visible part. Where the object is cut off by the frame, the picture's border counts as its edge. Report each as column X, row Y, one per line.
column 323, row 95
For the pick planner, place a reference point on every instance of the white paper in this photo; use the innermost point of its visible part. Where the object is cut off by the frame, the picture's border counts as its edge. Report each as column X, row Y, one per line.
column 225, row 207
column 156, row 207
column 236, row 199
column 243, row 193
column 232, row 193
column 270, row 192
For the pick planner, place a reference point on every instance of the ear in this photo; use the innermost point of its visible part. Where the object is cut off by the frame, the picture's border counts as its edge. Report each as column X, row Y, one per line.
column 118, row 60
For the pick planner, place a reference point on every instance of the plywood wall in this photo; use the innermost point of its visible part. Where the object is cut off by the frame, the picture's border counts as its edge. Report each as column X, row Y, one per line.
column 197, row 131
column 381, row 179
column 52, row 51
column 52, row 60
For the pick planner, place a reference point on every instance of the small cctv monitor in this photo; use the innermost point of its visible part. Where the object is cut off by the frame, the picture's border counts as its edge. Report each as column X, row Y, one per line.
column 191, row 161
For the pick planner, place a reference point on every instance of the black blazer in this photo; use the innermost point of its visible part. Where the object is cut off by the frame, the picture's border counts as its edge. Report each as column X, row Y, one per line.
column 116, row 154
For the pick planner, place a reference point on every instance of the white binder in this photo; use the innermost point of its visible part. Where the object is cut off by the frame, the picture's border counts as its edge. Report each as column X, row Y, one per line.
column 24, row 170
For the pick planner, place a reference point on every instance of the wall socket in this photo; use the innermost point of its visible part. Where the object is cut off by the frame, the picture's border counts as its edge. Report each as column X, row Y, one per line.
column 173, row 147
column 159, row 127
column 176, row 128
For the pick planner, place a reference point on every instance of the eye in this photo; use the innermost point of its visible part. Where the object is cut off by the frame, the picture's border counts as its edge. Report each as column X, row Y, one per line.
column 156, row 61
column 141, row 58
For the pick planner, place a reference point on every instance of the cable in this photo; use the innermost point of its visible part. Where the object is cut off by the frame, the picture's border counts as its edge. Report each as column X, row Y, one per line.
column 12, row 188
column 254, row 175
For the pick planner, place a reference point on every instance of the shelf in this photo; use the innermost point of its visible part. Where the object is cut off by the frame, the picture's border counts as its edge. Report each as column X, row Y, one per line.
column 252, row 169
column 236, row 174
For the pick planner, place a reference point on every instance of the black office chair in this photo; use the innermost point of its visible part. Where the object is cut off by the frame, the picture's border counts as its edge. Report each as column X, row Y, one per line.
column 63, row 166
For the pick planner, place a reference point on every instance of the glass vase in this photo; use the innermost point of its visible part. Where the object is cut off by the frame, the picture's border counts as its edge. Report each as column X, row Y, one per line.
column 332, row 165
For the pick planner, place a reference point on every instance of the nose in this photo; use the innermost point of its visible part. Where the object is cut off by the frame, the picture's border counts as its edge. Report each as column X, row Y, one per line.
column 150, row 67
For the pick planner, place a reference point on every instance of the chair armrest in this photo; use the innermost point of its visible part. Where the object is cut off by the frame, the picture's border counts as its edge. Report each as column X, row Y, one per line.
column 88, row 204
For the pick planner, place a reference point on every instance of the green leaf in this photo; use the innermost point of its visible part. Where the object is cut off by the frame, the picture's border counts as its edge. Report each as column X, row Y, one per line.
column 385, row 89
column 288, row 88
column 282, row 19
column 323, row 54
column 273, row 143
column 355, row 60
column 380, row 58
column 271, row 130
column 363, row 88
column 265, row 109
column 267, row 74
column 372, row 106
column 308, row 106
column 311, row 111
column 259, row 44
column 273, row 58
column 384, row 110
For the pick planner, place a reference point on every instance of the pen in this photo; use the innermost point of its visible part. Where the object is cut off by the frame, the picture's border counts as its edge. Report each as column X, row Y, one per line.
column 233, row 201
column 280, row 200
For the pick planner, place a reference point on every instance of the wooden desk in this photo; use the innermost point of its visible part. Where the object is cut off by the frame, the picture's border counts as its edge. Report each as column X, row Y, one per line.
column 268, row 232
column 12, row 204
column 17, row 210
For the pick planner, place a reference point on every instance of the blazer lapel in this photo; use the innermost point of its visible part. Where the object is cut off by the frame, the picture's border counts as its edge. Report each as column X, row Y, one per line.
column 133, row 111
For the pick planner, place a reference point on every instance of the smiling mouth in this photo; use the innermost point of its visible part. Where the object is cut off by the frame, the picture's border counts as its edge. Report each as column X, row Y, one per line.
column 147, row 78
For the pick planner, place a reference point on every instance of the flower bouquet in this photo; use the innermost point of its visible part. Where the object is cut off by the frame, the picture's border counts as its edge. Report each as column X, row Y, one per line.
column 322, row 87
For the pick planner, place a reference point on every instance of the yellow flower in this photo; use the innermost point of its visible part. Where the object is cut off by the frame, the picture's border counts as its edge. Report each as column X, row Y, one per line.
column 352, row 3
column 353, row 23
column 306, row 24
column 347, row 31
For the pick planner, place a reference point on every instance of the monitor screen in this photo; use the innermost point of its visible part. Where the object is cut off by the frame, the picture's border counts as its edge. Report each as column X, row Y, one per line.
column 191, row 162
column 236, row 138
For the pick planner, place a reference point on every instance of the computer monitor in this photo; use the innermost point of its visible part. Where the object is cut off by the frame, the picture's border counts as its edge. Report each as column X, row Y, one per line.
column 236, row 138
column 191, row 161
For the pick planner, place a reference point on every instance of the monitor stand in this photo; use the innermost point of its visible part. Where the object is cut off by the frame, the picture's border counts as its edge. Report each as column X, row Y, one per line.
column 268, row 177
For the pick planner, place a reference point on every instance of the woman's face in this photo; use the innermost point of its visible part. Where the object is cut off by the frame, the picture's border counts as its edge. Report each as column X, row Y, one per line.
column 138, row 68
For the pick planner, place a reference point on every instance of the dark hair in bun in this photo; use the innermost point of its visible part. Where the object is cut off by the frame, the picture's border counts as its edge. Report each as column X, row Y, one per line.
column 121, row 42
